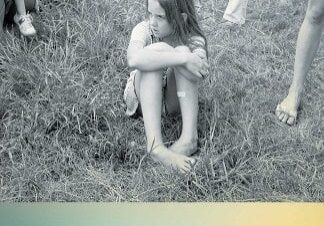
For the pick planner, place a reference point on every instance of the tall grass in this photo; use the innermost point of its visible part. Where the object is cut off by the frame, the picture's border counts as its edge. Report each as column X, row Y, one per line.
column 64, row 136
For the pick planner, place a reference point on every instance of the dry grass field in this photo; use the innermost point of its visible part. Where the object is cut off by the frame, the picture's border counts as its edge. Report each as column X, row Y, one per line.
column 64, row 135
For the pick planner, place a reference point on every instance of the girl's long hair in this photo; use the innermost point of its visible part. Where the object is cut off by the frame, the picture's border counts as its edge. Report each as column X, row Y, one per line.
column 182, row 28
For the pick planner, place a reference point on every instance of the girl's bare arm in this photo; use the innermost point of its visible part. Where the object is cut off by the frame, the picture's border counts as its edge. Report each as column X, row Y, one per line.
column 158, row 56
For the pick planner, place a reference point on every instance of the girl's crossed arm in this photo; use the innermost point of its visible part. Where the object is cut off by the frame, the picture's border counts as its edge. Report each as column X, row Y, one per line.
column 161, row 55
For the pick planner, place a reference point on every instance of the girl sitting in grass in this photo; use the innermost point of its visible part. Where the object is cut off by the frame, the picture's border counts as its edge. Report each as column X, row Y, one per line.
column 168, row 54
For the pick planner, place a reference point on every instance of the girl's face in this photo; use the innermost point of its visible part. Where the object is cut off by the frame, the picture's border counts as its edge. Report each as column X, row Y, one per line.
column 158, row 21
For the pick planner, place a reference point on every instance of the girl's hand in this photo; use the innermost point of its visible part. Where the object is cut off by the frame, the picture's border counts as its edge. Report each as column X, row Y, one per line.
column 197, row 65
column 202, row 54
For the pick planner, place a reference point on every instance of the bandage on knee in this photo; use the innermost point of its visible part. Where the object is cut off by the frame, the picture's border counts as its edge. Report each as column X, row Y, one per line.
column 181, row 94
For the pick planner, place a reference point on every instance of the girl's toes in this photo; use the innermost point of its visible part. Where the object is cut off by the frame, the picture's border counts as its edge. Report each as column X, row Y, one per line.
column 281, row 116
column 285, row 118
column 278, row 110
column 291, row 120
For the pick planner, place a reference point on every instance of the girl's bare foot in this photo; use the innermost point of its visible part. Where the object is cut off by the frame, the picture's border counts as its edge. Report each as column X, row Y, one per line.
column 184, row 148
column 171, row 159
column 286, row 111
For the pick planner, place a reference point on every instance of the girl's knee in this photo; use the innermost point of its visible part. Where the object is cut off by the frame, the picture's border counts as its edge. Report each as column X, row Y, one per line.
column 181, row 73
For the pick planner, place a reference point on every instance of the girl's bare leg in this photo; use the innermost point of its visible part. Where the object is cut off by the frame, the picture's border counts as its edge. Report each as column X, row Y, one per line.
column 187, row 93
column 148, row 87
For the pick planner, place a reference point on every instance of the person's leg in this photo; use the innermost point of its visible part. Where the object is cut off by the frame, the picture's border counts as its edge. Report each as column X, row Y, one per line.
column 236, row 11
column 307, row 44
column 20, row 6
column 2, row 14
column 150, row 96
column 187, row 93
column 29, row 4
column 148, row 87
column 22, row 19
